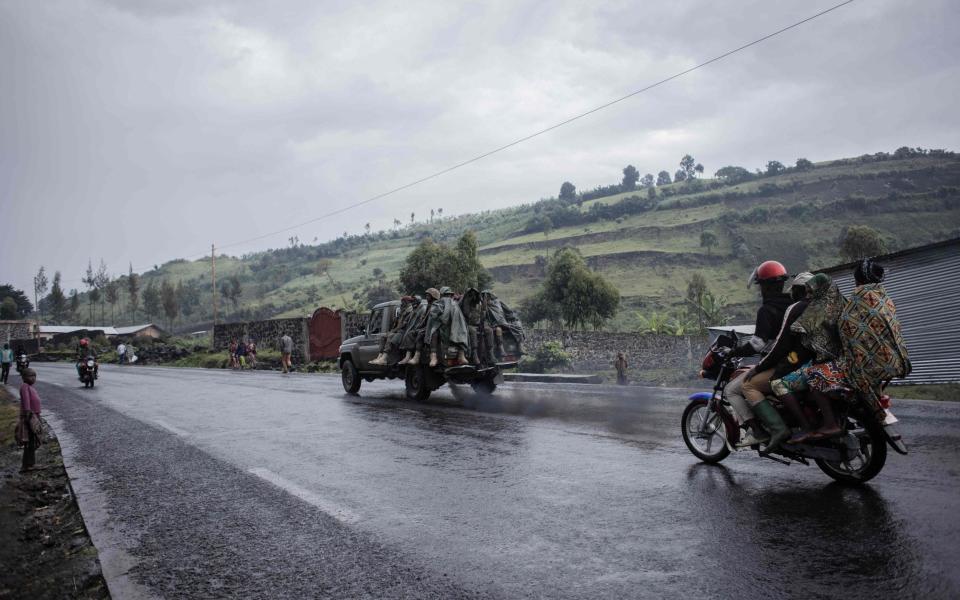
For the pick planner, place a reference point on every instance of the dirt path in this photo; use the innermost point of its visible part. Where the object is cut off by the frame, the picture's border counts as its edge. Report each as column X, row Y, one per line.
column 44, row 547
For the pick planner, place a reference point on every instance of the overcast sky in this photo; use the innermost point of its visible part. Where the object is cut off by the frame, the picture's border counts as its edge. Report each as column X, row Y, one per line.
column 143, row 131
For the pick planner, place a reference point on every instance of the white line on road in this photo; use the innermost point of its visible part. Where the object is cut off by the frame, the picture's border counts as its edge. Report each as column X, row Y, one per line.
column 344, row 515
column 170, row 428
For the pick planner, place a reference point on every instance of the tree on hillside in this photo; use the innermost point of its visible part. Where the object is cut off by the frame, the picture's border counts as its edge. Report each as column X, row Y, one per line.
column 151, row 300
column 775, row 167
column 112, row 293
column 89, row 279
column 101, row 279
column 168, row 298
column 412, row 217
column 74, row 305
column 708, row 240
column 860, row 241
column 733, row 175
column 396, row 224
column 235, row 291
column 40, row 284
column 647, row 180
column 188, row 297
column 133, row 292
column 663, row 178
column 696, row 288
column 679, row 176
column 690, row 167
column 431, row 215
column 8, row 308
column 434, row 265
column 698, row 169
column 20, row 300
column 568, row 192
column 803, row 165
column 440, row 213
column 630, row 178
column 56, row 301
column 576, row 293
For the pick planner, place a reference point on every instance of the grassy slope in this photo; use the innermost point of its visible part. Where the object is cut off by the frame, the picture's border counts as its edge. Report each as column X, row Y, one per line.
column 668, row 239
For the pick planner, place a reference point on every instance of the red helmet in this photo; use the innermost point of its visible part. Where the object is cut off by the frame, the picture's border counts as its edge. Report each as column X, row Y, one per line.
column 84, row 341
column 770, row 271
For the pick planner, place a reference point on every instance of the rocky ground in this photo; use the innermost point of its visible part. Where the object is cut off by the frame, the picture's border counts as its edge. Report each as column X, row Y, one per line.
column 44, row 547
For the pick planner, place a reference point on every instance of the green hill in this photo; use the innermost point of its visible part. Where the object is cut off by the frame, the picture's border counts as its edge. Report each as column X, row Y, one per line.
column 647, row 243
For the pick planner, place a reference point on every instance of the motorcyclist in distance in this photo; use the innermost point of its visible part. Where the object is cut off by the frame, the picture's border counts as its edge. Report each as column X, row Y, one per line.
column 84, row 351
column 770, row 277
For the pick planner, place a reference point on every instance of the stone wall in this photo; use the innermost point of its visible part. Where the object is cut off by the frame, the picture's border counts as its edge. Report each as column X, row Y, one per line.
column 267, row 335
column 15, row 330
column 596, row 350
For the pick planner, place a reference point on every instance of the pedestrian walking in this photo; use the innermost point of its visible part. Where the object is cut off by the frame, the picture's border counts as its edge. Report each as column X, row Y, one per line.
column 621, row 365
column 286, row 349
column 121, row 353
column 6, row 359
column 232, row 349
column 30, row 427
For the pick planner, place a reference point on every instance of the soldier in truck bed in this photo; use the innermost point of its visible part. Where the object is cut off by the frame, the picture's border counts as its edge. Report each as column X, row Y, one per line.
column 472, row 307
column 501, row 317
column 391, row 340
column 412, row 338
column 447, row 328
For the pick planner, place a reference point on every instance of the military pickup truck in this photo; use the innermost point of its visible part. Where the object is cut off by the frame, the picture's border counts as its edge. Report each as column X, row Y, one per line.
column 420, row 379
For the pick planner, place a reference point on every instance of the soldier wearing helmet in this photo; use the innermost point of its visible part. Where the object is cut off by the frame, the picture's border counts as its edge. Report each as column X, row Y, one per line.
column 769, row 277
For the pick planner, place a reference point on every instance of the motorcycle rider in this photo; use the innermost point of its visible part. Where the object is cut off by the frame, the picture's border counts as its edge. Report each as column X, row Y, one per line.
column 84, row 351
column 769, row 276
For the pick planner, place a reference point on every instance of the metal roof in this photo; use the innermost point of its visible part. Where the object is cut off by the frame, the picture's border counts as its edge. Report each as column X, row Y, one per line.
column 54, row 329
column 135, row 328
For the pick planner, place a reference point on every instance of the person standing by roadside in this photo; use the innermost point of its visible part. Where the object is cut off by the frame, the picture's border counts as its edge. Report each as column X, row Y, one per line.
column 286, row 349
column 621, row 365
column 232, row 349
column 252, row 354
column 29, row 418
column 6, row 358
column 121, row 353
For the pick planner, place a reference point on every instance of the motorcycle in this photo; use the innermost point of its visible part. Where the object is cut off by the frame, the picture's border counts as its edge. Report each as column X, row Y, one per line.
column 22, row 363
column 711, row 431
column 87, row 369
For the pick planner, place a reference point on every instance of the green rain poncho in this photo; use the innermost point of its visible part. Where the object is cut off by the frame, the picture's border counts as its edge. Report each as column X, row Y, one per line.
column 444, row 316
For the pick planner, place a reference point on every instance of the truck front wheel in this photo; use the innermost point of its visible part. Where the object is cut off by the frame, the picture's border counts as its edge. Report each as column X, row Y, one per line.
column 350, row 377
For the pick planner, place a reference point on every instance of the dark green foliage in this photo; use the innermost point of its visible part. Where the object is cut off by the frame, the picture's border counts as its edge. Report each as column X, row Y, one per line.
column 550, row 356
column 568, row 192
column 576, row 293
column 22, row 305
column 859, row 241
column 151, row 300
column 803, row 165
column 647, row 180
column 663, row 178
column 435, row 265
column 774, row 167
column 733, row 175
column 630, row 178
column 708, row 240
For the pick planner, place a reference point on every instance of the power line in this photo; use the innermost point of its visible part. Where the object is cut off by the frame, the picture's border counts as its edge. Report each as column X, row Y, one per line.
column 535, row 134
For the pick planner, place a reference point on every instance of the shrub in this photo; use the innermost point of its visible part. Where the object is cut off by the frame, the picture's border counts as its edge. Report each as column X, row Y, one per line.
column 550, row 356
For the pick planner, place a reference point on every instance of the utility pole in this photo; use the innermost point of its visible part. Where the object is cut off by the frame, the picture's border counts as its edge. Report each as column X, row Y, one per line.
column 213, row 278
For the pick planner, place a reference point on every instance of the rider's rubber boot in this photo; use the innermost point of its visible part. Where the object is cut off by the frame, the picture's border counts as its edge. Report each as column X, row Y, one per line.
column 433, row 359
column 773, row 423
column 406, row 359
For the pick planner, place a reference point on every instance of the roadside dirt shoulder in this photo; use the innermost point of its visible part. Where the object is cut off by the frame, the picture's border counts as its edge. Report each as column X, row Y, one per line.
column 44, row 546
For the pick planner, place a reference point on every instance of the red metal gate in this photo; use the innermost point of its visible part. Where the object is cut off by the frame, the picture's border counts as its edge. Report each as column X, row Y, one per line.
column 324, row 334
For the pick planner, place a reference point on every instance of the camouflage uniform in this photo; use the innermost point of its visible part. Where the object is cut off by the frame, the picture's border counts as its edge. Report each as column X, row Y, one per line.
column 391, row 339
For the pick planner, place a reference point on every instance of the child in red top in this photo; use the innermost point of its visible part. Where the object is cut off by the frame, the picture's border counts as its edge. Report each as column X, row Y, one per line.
column 29, row 407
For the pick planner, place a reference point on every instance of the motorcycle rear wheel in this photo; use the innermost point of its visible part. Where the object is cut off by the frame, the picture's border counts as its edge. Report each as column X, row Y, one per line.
column 704, row 432
column 873, row 448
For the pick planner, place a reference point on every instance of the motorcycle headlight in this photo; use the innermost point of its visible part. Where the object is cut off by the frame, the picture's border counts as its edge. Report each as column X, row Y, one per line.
column 90, row 363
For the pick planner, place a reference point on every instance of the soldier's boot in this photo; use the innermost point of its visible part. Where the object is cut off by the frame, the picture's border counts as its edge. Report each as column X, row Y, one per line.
column 433, row 359
column 461, row 359
column 416, row 358
column 498, row 334
column 381, row 359
column 406, row 359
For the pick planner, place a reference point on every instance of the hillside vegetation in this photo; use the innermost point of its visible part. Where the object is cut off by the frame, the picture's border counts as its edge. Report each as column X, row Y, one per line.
column 648, row 241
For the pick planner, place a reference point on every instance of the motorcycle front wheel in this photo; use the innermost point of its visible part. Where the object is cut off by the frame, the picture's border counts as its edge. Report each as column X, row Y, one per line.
column 866, row 466
column 704, row 432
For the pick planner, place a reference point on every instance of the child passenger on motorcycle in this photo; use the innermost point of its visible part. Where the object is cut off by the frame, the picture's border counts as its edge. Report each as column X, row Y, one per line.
column 823, row 373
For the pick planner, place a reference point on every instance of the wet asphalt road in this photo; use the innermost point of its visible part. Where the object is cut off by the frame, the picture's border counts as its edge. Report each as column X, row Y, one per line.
column 262, row 485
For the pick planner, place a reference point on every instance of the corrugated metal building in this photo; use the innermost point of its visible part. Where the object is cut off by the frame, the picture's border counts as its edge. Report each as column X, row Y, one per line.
column 924, row 283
